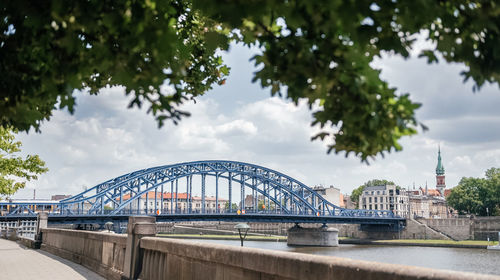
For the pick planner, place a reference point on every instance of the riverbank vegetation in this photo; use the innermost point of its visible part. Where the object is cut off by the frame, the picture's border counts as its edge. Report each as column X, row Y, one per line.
column 15, row 170
column 477, row 196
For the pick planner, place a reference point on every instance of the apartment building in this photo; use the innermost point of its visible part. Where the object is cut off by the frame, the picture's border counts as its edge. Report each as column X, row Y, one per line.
column 388, row 197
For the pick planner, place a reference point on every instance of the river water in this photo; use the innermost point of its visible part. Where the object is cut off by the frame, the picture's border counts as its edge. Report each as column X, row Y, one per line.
column 456, row 259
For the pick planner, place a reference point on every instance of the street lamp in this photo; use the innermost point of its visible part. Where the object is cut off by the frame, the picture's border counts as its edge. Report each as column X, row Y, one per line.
column 109, row 226
column 242, row 227
column 488, row 233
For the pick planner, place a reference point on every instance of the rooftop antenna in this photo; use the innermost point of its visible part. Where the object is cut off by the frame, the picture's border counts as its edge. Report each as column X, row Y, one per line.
column 34, row 194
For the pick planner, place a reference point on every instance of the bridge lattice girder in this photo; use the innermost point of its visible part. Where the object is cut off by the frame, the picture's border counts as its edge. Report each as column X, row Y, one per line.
column 288, row 195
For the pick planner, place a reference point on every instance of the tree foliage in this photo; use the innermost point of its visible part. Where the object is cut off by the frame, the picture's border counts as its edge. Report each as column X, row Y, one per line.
column 14, row 170
column 356, row 193
column 475, row 195
column 261, row 206
column 317, row 50
column 234, row 206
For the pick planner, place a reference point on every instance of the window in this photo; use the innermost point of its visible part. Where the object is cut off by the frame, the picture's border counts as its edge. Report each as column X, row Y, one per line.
column 370, row 200
column 370, row 207
column 375, row 206
column 375, row 199
column 381, row 206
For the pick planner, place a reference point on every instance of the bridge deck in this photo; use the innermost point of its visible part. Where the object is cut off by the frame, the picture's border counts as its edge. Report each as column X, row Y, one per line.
column 228, row 217
column 17, row 262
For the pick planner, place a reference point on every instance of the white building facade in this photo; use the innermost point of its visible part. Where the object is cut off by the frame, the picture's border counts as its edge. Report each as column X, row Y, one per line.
column 387, row 197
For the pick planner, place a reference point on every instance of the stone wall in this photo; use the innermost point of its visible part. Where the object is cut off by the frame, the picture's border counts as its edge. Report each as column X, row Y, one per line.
column 182, row 259
column 101, row 252
column 484, row 227
column 413, row 230
column 210, row 227
column 457, row 228
column 138, row 256
column 476, row 228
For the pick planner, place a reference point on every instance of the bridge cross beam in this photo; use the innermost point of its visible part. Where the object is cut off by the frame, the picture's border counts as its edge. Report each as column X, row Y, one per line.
column 203, row 176
column 230, row 190
column 217, row 192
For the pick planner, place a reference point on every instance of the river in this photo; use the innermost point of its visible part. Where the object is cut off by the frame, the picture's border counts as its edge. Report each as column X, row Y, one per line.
column 456, row 259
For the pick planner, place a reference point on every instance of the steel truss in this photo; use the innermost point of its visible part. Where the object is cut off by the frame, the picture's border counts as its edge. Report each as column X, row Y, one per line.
column 279, row 193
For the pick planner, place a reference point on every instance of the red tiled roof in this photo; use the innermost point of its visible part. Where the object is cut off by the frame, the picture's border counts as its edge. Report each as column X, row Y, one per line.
column 433, row 192
column 208, row 198
column 151, row 195
column 447, row 193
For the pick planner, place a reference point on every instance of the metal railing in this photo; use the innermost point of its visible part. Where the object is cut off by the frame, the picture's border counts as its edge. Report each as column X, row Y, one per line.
column 26, row 229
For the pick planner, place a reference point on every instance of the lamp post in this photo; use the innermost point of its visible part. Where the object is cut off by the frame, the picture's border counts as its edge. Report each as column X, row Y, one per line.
column 242, row 227
column 109, row 226
column 488, row 232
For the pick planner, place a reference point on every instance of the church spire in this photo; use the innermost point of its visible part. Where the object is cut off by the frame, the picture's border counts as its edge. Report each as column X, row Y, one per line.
column 440, row 179
column 440, row 166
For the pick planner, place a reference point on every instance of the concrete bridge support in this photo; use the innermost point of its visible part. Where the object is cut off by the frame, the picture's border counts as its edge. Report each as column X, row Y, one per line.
column 322, row 236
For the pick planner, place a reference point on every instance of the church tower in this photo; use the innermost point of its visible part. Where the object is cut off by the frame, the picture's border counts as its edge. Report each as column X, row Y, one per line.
column 440, row 184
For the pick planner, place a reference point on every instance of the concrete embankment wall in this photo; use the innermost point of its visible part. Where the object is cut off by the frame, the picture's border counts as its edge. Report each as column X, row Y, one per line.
column 485, row 227
column 413, row 230
column 458, row 228
column 182, row 259
column 161, row 258
column 222, row 228
column 476, row 228
column 101, row 252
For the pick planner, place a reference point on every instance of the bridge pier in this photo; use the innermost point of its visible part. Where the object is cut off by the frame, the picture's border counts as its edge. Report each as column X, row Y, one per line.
column 322, row 236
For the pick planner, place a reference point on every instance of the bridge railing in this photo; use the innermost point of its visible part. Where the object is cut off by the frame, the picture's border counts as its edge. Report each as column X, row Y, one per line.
column 28, row 229
column 167, row 211
column 15, row 229
column 338, row 212
column 69, row 210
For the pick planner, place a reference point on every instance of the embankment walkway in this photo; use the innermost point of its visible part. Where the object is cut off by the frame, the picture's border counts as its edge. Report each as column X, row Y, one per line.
column 18, row 262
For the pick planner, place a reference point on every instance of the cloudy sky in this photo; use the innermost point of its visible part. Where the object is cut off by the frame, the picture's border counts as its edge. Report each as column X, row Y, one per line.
column 240, row 121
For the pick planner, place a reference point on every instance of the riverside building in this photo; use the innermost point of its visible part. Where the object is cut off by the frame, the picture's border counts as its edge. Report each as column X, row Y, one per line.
column 388, row 197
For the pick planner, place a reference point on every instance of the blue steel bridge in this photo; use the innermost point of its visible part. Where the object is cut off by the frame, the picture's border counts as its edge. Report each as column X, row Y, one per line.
column 285, row 199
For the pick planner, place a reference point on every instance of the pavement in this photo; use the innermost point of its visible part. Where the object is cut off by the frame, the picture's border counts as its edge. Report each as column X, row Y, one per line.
column 19, row 262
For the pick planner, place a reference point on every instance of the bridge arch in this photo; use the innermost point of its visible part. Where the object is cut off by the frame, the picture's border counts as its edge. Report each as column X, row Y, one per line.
column 282, row 193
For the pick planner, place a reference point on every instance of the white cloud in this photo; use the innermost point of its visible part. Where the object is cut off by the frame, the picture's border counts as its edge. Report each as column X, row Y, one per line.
column 236, row 127
column 240, row 122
